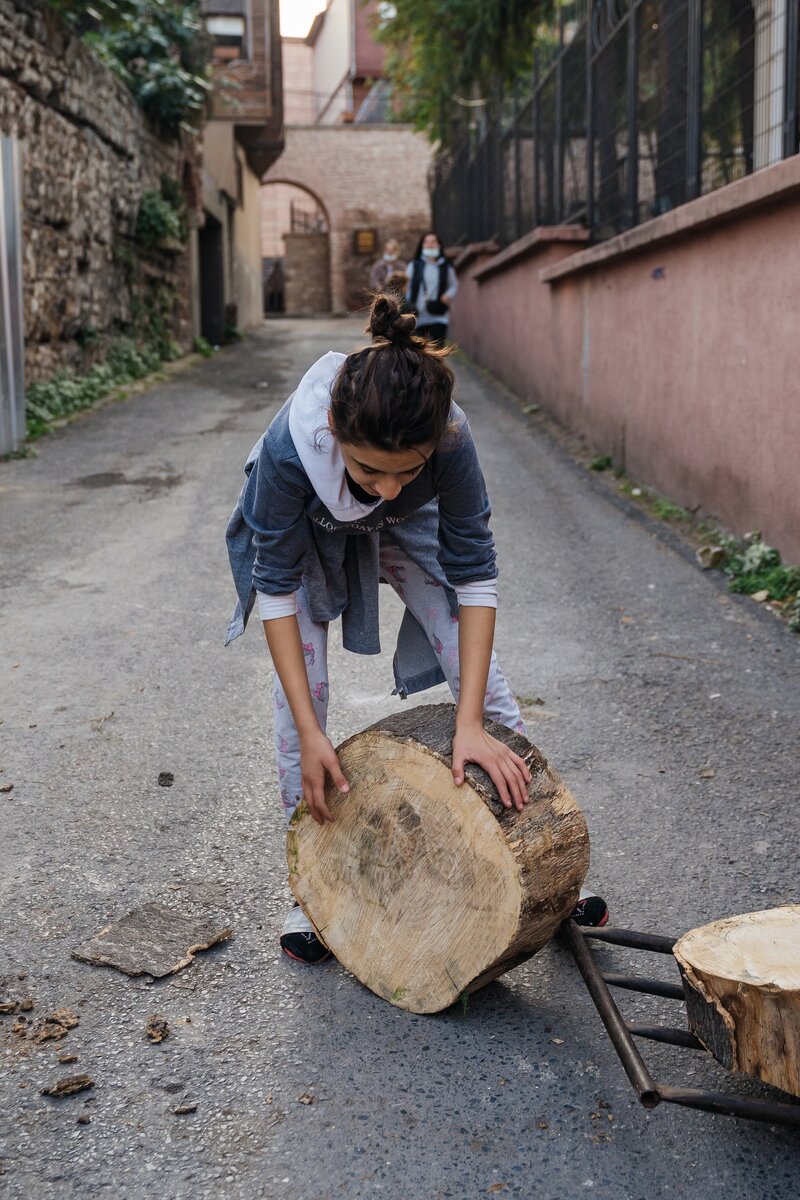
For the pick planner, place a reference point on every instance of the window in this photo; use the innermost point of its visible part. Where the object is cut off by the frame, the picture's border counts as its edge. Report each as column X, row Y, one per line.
column 365, row 241
column 229, row 37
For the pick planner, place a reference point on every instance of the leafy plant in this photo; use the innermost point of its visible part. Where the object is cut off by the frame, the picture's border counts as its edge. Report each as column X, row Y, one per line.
column 753, row 566
column 159, row 48
column 758, row 557
column 152, row 313
column 201, row 346
column 666, row 510
column 87, row 336
column 110, row 13
column 446, row 58
column 157, row 222
column 781, row 582
column 128, row 357
column 792, row 614
column 65, row 393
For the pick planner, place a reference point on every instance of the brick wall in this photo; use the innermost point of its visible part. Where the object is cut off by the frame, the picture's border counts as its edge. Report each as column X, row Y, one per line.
column 307, row 273
column 276, row 207
column 365, row 177
column 299, row 107
column 87, row 156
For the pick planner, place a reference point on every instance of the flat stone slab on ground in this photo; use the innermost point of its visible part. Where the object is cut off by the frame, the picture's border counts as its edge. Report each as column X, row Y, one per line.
column 152, row 940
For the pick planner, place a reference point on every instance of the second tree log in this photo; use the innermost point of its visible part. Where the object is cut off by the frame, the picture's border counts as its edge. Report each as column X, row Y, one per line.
column 741, row 977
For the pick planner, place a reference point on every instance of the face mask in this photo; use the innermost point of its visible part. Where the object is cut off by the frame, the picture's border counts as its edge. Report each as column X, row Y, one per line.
column 431, row 253
column 390, row 257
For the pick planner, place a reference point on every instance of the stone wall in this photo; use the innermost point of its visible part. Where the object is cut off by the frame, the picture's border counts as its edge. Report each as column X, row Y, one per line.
column 88, row 154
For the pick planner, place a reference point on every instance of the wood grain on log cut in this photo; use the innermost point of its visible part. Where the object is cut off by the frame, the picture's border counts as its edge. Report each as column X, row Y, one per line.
column 741, row 977
column 425, row 890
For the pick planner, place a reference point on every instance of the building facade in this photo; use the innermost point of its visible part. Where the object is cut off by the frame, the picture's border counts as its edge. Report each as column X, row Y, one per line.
column 349, row 178
column 241, row 140
column 347, row 63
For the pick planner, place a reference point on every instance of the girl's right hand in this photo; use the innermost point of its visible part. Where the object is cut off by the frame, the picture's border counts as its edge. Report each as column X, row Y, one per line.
column 317, row 756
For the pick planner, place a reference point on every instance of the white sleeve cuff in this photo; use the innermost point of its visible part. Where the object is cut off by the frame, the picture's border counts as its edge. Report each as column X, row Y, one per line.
column 271, row 607
column 480, row 593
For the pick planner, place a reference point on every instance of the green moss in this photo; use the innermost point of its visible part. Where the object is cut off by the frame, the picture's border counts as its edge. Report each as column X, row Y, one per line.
column 666, row 510
column 603, row 463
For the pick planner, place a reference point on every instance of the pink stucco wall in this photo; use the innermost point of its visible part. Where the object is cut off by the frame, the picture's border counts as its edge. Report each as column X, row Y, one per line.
column 679, row 357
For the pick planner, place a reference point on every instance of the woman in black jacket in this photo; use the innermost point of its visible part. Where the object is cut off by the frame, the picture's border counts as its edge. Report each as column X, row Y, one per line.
column 432, row 284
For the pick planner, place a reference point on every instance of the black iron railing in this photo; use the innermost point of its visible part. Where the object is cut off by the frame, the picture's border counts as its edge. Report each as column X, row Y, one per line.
column 635, row 107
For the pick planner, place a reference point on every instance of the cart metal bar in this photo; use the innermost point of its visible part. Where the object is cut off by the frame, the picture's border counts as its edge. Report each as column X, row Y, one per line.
column 651, row 987
column 650, row 1093
column 773, row 1112
column 623, row 1043
column 665, row 1033
column 627, row 937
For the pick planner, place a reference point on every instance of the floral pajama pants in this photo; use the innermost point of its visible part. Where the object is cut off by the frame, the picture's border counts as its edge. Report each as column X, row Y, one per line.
column 428, row 602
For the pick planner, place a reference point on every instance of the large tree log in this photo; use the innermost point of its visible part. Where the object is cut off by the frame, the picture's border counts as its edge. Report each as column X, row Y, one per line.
column 741, row 977
column 425, row 890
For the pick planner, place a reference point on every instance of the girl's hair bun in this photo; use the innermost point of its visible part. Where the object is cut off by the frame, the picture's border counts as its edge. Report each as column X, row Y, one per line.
column 396, row 393
column 387, row 320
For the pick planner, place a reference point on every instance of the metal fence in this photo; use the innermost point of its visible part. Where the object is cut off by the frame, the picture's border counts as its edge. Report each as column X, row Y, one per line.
column 12, row 391
column 305, row 220
column 635, row 107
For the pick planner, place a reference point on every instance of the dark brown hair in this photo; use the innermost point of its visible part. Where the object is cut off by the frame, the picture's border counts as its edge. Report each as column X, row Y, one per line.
column 396, row 393
column 420, row 243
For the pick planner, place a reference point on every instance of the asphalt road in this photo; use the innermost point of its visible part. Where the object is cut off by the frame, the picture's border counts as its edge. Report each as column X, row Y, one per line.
column 114, row 597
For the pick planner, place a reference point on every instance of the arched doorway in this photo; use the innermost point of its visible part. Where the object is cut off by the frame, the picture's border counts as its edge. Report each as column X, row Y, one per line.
column 295, row 245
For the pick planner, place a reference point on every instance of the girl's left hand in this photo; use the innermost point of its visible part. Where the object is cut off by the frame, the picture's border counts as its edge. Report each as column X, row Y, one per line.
column 507, row 771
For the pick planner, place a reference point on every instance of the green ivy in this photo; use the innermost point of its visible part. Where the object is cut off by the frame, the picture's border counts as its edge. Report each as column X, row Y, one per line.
column 159, row 48
column 66, row 393
column 753, row 566
column 756, row 567
column 781, row 582
column 158, row 221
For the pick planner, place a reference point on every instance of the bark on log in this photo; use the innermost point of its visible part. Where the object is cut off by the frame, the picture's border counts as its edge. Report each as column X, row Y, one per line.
column 426, row 891
column 741, row 977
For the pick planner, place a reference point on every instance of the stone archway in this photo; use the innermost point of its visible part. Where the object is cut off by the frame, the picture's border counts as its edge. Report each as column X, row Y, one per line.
column 365, row 178
column 295, row 241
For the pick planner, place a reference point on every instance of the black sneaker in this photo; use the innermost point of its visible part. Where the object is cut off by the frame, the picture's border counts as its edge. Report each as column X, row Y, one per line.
column 299, row 939
column 590, row 910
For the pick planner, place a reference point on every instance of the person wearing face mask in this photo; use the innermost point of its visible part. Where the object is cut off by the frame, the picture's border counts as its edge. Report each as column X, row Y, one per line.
column 432, row 284
column 381, row 277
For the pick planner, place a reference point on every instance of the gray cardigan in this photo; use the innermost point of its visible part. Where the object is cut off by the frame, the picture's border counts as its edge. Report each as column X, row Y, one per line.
column 281, row 536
